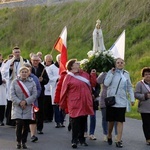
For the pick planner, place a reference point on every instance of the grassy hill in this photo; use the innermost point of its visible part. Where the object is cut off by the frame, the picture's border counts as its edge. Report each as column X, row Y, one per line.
column 37, row 28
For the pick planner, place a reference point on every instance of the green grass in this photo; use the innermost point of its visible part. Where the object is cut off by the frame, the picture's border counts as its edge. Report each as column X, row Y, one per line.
column 36, row 29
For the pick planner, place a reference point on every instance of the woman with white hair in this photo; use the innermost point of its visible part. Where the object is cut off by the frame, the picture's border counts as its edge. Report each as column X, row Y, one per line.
column 23, row 93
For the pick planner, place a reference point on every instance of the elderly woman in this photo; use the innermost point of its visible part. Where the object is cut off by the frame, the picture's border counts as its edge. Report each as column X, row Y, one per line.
column 23, row 94
column 118, row 78
column 142, row 93
column 76, row 95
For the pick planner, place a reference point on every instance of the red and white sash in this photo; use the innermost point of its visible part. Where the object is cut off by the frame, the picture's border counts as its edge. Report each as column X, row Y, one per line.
column 80, row 78
column 27, row 94
column 146, row 86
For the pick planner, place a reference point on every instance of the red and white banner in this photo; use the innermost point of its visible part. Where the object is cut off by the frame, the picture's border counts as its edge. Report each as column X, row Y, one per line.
column 61, row 46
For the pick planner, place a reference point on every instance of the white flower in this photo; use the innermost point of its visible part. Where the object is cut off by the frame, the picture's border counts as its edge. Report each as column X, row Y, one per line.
column 97, row 54
column 84, row 61
column 90, row 54
column 110, row 53
column 105, row 53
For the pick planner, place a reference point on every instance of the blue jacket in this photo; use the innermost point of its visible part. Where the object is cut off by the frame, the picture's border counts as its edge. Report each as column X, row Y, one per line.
column 125, row 87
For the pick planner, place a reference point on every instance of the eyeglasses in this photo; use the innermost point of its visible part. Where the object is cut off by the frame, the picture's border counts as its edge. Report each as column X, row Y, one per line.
column 16, row 52
column 119, row 62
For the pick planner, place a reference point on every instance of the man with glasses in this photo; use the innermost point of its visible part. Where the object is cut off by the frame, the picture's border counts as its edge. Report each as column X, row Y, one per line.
column 39, row 70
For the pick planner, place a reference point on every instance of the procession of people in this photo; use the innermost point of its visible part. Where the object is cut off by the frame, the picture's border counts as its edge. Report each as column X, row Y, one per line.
column 33, row 93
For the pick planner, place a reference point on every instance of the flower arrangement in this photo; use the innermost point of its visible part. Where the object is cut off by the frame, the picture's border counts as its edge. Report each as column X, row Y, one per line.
column 101, row 61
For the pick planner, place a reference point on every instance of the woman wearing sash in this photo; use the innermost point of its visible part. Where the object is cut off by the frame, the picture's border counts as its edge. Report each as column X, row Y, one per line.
column 142, row 93
column 76, row 95
column 23, row 94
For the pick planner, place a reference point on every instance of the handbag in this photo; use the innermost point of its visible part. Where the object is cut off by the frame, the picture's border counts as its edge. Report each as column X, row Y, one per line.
column 110, row 101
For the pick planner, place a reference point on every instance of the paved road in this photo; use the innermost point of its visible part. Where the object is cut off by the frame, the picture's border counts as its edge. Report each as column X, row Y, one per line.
column 60, row 138
column 25, row 3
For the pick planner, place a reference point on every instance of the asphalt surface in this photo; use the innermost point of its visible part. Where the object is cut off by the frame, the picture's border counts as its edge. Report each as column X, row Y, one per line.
column 60, row 138
column 26, row 3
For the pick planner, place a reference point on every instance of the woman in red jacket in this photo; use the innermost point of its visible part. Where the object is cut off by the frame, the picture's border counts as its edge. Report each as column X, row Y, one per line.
column 76, row 95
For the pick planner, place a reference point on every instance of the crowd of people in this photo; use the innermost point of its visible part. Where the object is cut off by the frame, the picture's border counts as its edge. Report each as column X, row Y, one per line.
column 33, row 93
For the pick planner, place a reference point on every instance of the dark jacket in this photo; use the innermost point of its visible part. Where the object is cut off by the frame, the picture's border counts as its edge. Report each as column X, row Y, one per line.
column 95, row 92
column 41, row 71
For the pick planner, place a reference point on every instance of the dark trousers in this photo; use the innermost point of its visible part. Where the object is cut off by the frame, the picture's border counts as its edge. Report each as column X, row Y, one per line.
column 2, row 112
column 146, row 124
column 48, row 108
column 22, row 129
column 78, row 125
column 8, row 114
column 39, row 114
column 59, row 114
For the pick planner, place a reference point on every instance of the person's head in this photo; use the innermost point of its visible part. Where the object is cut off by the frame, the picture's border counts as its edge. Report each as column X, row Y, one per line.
column 58, row 58
column 98, row 24
column 10, row 56
column 48, row 59
column 31, row 54
column 40, row 55
column 119, row 63
column 24, row 72
column 73, row 65
column 29, row 67
column 35, row 60
column 146, row 73
column 16, row 52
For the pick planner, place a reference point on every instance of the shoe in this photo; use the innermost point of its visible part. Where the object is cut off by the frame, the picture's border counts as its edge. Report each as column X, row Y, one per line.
column 24, row 146
column 69, row 127
column 105, row 138
column 85, row 134
column 1, row 124
column 92, row 137
column 40, row 132
column 34, row 138
column 74, row 145
column 119, row 144
column 57, row 125
column 109, row 140
column 148, row 143
column 62, row 125
column 18, row 146
column 84, row 144
column 46, row 121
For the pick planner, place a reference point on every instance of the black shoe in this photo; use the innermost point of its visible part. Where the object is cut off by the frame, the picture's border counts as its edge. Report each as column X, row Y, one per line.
column 62, row 125
column 119, row 144
column 24, row 146
column 148, row 143
column 18, row 146
column 74, row 145
column 69, row 127
column 40, row 132
column 46, row 121
column 84, row 144
column 34, row 138
column 109, row 140
column 1, row 124
column 57, row 125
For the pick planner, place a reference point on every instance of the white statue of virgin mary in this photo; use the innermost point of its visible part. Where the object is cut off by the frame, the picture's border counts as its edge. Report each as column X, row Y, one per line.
column 98, row 42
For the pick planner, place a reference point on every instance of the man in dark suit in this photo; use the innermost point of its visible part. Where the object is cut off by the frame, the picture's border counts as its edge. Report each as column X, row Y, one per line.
column 39, row 70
